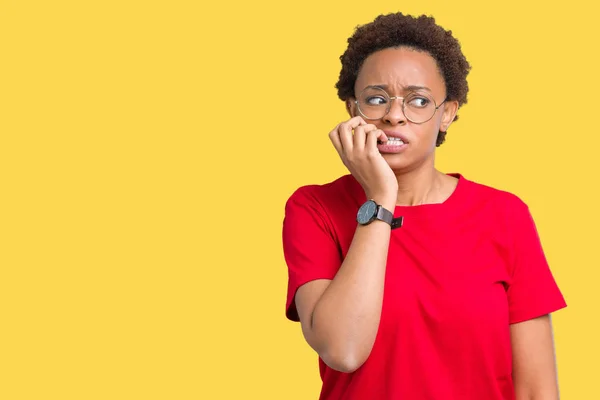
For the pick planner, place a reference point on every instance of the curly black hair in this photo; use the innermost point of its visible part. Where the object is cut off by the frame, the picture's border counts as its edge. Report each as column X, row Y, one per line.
column 419, row 33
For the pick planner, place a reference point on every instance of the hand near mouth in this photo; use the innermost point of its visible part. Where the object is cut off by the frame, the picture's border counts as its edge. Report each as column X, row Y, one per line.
column 357, row 145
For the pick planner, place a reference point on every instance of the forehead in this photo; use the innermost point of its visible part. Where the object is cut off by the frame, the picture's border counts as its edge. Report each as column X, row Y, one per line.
column 398, row 68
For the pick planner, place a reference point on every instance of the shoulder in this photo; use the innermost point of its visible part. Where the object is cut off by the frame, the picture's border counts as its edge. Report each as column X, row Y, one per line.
column 501, row 199
column 332, row 206
column 325, row 196
column 500, row 209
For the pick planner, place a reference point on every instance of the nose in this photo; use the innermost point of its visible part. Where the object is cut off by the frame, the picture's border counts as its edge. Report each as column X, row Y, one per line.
column 396, row 114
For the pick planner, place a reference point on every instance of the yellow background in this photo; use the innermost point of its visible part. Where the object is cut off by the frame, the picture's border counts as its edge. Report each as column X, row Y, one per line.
column 147, row 149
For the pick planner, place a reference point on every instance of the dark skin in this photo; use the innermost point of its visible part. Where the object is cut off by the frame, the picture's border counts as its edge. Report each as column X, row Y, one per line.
column 416, row 180
column 340, row 317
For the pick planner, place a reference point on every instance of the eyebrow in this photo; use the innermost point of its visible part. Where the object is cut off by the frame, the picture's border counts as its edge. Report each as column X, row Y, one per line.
column 409, row 88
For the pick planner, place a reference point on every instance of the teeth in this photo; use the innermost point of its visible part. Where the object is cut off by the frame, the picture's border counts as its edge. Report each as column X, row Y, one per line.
column 394, row 142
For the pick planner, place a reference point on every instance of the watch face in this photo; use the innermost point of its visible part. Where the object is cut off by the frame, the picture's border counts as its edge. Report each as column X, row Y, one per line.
column 366, row 212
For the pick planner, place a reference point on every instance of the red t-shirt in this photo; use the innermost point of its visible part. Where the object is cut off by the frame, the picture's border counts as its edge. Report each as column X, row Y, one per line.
column 458, row 274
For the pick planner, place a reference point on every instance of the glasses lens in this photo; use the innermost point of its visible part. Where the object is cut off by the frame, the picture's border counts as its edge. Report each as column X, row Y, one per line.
column 419, row 107
column 373, row 103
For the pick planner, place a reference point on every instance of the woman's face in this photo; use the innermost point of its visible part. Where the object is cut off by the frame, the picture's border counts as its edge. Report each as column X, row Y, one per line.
column 401, row 72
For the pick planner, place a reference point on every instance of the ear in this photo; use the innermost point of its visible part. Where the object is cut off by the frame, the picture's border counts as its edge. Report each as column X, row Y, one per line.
column 351, row 107
column 450, row 110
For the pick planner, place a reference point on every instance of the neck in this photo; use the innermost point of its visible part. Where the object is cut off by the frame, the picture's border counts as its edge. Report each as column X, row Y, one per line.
column 420, row 186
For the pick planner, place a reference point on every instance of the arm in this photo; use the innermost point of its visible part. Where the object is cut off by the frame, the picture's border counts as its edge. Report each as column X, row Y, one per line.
column 340, row 317
column 534, row 364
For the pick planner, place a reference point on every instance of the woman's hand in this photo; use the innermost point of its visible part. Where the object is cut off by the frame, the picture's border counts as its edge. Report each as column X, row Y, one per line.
column 360, row 155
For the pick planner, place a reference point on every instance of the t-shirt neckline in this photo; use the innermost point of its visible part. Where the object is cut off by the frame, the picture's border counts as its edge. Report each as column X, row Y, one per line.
column 424, row 210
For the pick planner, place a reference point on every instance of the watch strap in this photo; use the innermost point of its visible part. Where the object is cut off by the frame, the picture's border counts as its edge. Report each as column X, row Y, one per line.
column 397, row 222
column 386, row 215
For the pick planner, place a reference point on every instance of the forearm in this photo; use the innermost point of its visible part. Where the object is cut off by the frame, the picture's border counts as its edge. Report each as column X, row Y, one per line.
column 346, row 317
column 534, row 362
column 541, row 396
column 547, row 393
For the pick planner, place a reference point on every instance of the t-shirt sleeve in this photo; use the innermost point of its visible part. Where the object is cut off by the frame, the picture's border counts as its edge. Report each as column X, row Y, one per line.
column 309, row 246
column 533, row 291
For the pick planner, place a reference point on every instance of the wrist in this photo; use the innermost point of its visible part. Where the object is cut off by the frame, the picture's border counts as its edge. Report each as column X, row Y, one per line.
column 387, row 201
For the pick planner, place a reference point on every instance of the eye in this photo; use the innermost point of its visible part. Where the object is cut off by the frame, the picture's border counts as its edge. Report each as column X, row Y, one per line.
column 419, row 101
column 375, row 100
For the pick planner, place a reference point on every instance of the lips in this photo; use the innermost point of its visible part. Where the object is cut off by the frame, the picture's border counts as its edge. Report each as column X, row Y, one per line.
column 396, row 135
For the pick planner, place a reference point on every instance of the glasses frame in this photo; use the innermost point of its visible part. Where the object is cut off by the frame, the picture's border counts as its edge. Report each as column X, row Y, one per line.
column 389, row 106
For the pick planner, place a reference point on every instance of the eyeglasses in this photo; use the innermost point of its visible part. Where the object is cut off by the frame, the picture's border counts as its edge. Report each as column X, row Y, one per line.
column 374, row 103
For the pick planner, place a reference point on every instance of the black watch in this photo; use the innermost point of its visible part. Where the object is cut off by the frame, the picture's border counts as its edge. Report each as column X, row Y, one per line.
column 371, row 211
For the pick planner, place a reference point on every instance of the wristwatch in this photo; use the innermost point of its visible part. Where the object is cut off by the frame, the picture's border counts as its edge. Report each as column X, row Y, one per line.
column 371, row 211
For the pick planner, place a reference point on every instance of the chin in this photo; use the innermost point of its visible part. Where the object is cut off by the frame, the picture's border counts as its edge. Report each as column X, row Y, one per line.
column 397, row 162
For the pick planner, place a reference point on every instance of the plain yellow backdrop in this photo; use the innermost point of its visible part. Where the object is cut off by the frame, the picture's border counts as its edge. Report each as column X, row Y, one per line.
column 147, row 149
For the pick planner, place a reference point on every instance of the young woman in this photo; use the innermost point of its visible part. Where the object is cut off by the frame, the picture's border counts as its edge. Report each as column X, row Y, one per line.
column 410, row 283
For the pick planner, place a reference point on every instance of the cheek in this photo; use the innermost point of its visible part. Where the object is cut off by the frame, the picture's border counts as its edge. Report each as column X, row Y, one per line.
column 427, row 133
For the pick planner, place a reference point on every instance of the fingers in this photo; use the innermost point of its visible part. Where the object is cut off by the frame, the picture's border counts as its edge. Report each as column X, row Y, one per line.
column 351, row 136
column 356, row 144
column 345, row 133
column 334, row 136
column 360, row 136
column 372, row 138
column 345, row 130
